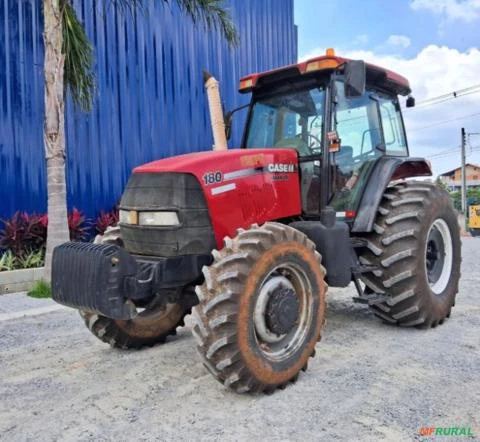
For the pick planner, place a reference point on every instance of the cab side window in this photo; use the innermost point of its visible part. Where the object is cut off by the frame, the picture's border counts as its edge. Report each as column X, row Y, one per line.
column 263, row 127
column 357, row 123
column 394, row 136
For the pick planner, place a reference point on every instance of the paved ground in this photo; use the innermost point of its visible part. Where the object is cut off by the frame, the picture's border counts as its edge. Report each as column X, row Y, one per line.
column 368, row 382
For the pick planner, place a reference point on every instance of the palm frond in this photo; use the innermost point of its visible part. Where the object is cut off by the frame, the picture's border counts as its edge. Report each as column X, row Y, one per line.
column 78, row 71
column 213, row 14
column 125, row 5
column 78, row 74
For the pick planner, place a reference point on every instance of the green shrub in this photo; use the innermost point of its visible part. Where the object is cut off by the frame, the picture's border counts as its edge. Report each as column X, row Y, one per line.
column 40, row 289
column 26, row 260
column 31, row 259
column 8, row 261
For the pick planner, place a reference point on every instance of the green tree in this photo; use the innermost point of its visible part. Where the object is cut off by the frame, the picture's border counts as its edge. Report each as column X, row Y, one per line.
column 68, row 64
column 473, row 197
column 457, row 200
column 440, row 183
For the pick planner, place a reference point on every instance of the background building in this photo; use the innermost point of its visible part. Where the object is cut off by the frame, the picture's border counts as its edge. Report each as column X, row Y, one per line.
column 453, row 178
column 150, row 104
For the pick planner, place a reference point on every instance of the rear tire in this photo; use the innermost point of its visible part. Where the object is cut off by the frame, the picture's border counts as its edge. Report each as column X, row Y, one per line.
column 247, row 335
column 416, row 245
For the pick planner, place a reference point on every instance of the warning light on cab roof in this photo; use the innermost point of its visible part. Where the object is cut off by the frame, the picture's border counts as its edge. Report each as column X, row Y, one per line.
column 327, row 61
column 246, row 83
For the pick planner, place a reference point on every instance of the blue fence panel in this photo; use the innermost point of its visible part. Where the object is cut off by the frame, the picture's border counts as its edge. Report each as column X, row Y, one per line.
column 150, row 100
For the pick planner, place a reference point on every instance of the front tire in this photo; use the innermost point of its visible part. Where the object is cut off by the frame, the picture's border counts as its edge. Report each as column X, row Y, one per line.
column 261, row 308
column 416, row 246
column 149, row 328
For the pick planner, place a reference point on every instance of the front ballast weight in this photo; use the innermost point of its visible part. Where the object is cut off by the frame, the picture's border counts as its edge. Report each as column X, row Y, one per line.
column 100, row 278
column 104, row 278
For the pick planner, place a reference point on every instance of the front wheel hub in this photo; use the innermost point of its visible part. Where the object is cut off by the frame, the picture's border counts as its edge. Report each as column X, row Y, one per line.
column 282, row 311
column 275, row 294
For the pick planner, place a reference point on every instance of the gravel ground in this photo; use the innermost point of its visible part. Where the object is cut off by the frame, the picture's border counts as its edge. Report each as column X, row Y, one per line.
column 369, row 381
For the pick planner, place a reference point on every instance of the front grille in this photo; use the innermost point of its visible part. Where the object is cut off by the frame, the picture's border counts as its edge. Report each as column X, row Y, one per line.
column 180, row 192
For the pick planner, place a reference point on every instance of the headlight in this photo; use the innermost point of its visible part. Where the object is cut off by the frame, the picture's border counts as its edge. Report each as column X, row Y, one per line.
column 158, row 219
column 124, row 217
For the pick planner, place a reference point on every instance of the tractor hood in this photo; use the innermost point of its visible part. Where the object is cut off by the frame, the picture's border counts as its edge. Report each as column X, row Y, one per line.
column 200, row 162
column 240, row 186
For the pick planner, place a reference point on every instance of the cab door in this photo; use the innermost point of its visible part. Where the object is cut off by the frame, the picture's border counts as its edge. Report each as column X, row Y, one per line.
column 368, row 127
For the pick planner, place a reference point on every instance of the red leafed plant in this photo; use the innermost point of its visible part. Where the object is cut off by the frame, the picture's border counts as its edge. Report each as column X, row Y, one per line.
column 106, row 219
column 23, row 232
column 77, row 225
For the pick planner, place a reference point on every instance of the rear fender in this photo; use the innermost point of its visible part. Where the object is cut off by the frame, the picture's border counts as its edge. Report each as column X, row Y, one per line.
column 387, row 169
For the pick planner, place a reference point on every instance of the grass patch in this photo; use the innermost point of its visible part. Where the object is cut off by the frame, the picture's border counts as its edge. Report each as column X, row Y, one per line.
column 40, row 289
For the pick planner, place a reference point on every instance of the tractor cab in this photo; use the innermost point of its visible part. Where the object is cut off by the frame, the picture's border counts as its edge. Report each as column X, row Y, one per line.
column 341, row 116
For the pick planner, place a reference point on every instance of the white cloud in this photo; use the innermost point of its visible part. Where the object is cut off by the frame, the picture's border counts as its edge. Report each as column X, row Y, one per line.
column 398, row 40
column 360, row 40
column 466, row 10
column 434, row 71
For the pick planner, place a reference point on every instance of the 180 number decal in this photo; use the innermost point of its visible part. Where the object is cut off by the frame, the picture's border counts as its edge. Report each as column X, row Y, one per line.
column 212, row 177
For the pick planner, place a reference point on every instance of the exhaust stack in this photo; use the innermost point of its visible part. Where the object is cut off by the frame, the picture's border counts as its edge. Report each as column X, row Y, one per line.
column 216, row 112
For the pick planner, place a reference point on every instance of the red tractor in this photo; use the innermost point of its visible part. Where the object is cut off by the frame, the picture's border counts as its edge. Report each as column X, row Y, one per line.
column 249, row 238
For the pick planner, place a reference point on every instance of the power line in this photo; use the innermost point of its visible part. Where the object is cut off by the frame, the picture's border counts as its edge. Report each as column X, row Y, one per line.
column 453, row 93
column 435, row 100
column 449, row 152
column 445, row 151
column 444, row 122
column 444, row 155
column 449, row 96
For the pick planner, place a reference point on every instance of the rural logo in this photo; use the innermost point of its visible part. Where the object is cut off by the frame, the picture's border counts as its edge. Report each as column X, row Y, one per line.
column 445, row 431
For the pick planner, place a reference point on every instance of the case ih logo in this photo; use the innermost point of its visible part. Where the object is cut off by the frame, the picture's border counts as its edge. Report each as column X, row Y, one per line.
column 279, row 167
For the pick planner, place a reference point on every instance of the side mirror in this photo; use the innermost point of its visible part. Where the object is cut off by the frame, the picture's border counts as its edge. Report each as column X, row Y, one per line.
column 355, row 78
column 228, row 124
column 410, row 101
column 227, row 118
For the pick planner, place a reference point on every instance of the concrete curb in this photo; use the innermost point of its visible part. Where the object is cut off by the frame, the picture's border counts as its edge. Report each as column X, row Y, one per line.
column 19, row 280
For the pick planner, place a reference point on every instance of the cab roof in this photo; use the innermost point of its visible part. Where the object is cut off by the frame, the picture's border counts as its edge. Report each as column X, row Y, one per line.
column 376, row 75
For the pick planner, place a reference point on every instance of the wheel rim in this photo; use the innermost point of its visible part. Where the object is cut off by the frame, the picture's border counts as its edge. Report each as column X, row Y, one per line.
column 280, row 346
column 439, row 256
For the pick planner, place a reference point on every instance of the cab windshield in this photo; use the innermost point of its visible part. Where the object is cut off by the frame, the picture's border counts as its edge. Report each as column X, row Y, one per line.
column 293, row 119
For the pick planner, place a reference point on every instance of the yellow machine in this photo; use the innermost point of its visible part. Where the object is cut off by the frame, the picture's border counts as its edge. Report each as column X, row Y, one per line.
column 474, row 220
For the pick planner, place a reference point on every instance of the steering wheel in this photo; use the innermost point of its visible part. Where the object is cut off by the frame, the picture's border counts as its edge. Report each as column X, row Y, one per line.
column 312, row 149
column 315, row 140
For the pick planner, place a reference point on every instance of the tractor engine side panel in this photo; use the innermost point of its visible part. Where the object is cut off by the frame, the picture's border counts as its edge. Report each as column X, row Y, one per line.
column 257, row 194
column 242, row 187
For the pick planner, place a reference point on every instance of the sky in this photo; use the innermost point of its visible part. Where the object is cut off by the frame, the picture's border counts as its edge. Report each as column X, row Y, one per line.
column 434, row 43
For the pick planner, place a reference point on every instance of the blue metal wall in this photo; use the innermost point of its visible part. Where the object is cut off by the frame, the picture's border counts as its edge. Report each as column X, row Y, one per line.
column 150, row 104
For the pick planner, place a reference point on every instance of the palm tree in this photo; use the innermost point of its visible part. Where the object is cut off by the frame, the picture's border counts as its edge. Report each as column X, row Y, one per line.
column 68, row 64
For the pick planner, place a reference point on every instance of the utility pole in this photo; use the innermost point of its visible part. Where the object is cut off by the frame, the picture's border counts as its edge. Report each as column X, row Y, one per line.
column 464, row 178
